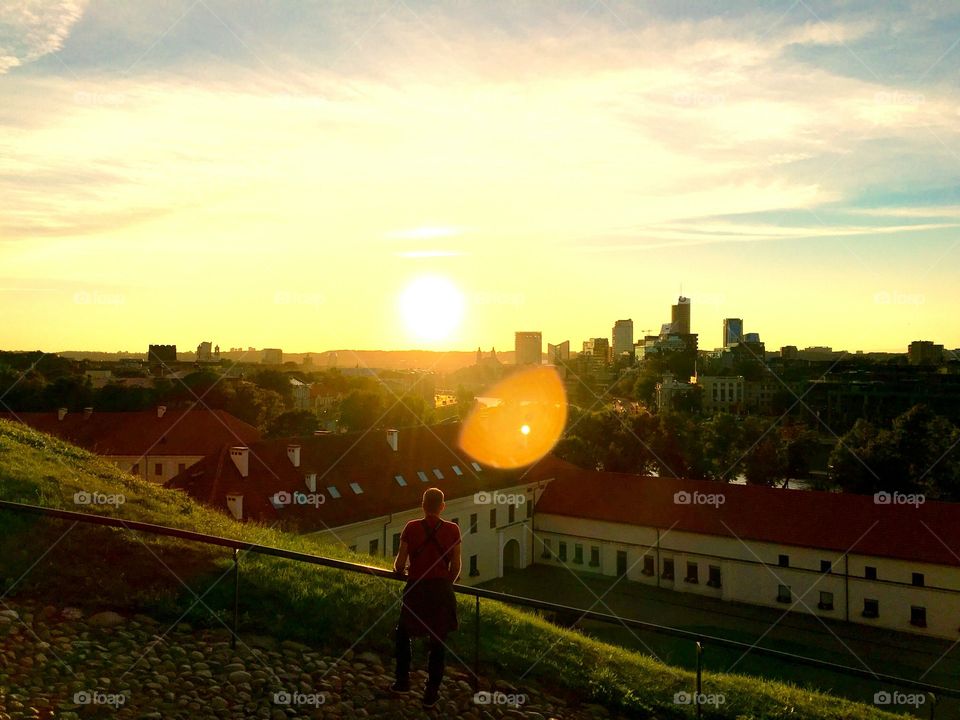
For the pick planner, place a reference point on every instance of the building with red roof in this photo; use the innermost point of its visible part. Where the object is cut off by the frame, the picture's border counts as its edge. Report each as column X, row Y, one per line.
column 154, row 444
column 360, row 489
column 889, row 560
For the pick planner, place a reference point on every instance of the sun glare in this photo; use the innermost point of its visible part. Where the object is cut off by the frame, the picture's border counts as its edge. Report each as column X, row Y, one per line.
column 431, row 307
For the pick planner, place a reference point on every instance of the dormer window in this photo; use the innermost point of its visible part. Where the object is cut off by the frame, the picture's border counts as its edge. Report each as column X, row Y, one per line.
column 437, row 474
column 422, row 475
column 400, row 481
column 457, row 470
column 334, row 493
column 357, row 490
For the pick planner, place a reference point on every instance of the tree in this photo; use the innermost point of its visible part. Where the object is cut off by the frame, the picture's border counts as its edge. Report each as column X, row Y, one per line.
column 409, row 411
column 278, row 382
column 360, row 409
column 294, row 423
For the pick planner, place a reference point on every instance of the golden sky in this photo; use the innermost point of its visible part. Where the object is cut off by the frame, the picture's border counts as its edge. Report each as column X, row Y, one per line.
column 277, row 175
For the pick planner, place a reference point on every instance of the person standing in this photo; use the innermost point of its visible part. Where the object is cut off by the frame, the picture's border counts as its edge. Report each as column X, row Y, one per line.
column 431, row 547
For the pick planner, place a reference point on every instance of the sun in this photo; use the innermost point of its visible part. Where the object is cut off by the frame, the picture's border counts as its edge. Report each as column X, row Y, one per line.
column 431, row 307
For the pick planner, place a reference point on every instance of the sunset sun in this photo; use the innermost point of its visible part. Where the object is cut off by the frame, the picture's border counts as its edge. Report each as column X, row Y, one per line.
column 431, row 308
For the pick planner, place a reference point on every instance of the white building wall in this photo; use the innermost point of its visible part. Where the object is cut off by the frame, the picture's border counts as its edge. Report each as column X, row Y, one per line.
column 751, row 573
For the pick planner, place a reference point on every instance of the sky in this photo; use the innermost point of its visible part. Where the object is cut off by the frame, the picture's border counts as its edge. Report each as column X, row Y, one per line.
column 407, row 174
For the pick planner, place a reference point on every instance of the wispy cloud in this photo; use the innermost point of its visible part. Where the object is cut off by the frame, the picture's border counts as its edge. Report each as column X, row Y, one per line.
column 30, row 29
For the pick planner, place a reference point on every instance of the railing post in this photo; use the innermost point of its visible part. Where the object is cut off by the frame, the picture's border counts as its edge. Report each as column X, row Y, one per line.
column 476, row 647
column 236, row 597
column 696, row 698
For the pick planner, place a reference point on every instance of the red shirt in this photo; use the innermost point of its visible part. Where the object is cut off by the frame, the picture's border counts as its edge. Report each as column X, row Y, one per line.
column 430, row 561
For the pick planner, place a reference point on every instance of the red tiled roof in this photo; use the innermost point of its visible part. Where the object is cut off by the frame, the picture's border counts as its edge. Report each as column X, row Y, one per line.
column 179, row 432
column 839, row 522
column 339, row 460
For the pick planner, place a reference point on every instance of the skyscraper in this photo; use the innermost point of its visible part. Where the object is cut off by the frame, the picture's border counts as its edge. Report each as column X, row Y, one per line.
column 559, row 352
column 732, row 331
column 680, row 319
column 622, row 338
column 527, row 348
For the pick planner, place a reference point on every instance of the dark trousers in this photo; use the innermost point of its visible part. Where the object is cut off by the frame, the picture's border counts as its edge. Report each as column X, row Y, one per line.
column 435, row 662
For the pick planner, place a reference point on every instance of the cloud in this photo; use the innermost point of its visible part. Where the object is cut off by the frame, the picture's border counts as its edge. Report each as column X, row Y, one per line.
column 30, row 29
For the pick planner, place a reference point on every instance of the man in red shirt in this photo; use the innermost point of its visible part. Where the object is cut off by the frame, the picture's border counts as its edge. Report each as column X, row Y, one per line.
column 429, row 608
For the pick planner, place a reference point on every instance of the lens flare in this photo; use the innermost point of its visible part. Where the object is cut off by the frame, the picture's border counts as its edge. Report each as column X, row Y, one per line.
column 532, row 402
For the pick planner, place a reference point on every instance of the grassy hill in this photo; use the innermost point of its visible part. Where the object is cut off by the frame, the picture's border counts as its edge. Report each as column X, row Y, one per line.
column 107, row 568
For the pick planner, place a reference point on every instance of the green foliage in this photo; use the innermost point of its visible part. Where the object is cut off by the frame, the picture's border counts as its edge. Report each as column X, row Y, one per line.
column 295, row 423
column 361, row 409
column 916, row 454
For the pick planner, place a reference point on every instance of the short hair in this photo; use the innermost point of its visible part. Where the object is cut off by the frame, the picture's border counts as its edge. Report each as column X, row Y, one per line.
column 432, row 500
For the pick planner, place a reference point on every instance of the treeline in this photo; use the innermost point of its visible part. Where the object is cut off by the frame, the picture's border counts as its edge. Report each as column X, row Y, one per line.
column 681, row 445
column 916, row 453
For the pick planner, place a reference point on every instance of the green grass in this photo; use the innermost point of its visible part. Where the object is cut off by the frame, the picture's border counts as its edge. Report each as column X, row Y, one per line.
column 96, row 568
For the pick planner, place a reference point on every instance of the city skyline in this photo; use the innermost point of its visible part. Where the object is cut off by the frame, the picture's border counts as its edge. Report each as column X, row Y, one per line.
column 408, row 176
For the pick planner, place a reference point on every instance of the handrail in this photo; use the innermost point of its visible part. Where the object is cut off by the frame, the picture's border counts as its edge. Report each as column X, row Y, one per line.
column 478, row 593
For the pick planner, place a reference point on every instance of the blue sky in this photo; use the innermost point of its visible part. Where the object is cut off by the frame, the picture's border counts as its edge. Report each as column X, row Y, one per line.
column 796, row 164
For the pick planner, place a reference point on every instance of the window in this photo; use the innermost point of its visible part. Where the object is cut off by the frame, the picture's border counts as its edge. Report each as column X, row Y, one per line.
column 476, row 466
column 473, row 523
column 546, row 554
column 181, row 467
column 594, row 556
column 529, row 509
column 374, row 547
column 422, row 475
column 667, row 573
column 563, row 551
column 511, row 513
column 457, row 471
column 158, row 468
column 783, row 561
column 578, row 553
column 334, row 493
column 918, row 579
column 870, row 573
column 714, row 580
column 693, row 573
column 437, row 474
column 357, row 490
column 135, row 469
column 647, row 565
column 783, row 593
column 474, row 570
column 400, row 481
column 871, row 608
column 826, row 601
column 918, row 616
column 396, row 543
column 826, row 566
column 493, row 517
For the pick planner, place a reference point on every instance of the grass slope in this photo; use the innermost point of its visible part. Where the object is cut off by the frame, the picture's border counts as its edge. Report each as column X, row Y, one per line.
column 96, row 568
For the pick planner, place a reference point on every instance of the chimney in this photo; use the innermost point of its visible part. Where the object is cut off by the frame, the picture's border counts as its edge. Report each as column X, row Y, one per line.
column 235, row 505
column 61, row 413
column 161, row 409
column 311, row 479
column 393, row 439
column 293, row 452
column 240, row 454
column 87, row 412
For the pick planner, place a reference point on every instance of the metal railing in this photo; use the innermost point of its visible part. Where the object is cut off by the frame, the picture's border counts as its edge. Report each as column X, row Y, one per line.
column 700, row 640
